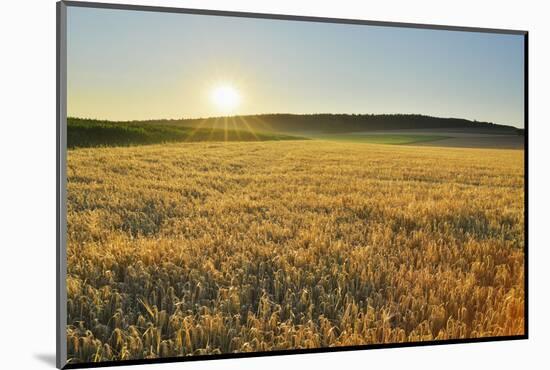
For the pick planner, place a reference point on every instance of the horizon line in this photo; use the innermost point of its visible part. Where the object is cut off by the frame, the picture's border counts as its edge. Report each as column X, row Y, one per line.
column 290, row 114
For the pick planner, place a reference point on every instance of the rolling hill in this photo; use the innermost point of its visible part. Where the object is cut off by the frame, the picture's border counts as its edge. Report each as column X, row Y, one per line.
column 396, row 128
column 336, row 123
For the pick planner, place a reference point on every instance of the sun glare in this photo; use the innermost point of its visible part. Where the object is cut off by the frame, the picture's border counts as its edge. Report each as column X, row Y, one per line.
column 226, row 98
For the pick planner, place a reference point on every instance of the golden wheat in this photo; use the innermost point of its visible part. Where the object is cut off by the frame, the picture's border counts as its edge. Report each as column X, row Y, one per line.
column 190, row 249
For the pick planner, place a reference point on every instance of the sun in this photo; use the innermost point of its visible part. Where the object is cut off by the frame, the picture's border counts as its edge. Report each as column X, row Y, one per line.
column 226, row 98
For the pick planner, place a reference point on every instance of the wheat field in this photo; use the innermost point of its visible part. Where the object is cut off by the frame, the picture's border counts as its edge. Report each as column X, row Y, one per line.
column 206, row 248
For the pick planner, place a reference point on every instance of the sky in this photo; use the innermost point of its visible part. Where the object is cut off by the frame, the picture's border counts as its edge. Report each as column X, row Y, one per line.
column 134, row 65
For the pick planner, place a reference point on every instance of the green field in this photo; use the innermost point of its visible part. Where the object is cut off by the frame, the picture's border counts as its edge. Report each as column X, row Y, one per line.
column 86, row 133
column 381, row 138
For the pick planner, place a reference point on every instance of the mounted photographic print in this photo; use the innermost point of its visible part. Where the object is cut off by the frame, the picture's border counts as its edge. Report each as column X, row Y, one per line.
column 236, row 184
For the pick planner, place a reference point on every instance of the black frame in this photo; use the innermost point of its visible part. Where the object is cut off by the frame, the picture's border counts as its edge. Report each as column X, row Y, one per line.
column 61, row 149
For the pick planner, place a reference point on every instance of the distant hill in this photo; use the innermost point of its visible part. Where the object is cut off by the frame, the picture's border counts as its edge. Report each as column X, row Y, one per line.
column 91, row 133
column 335, row 123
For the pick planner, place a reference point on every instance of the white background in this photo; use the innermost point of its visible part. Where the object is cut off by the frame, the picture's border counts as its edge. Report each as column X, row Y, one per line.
column 27, row 181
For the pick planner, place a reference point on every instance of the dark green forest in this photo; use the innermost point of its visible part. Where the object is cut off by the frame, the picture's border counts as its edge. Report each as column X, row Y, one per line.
column 334, row 123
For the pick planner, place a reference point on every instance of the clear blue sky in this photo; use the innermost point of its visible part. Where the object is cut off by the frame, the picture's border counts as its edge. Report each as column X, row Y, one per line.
column 140, row 65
